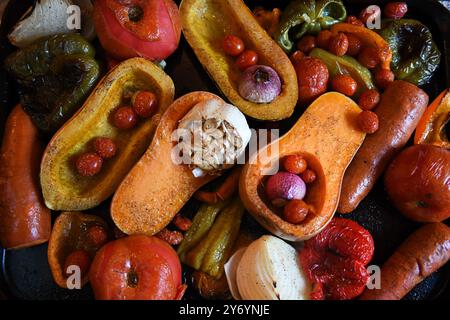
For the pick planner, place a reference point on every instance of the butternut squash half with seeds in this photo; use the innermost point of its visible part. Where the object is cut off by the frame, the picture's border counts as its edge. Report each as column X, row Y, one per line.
column 205, row 23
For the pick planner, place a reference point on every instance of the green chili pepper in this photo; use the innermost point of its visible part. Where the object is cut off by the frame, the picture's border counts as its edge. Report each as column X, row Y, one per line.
column 223, row 234
column 307, row 17
column 415, row 56
column 54, row 76
column 214, row 248
column 201, row 224
column 345, row 65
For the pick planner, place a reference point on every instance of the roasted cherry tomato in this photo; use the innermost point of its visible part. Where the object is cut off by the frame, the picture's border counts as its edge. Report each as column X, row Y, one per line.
column 344, row 84
column 105, row 147
column 354, row 21
column 145, row 103
column 338, row 44
column 354, row 45
column 369, row 57
column 97, row 235
column 312, row 76
column 79, row 258
column 308, row 176
column 395, row 10
column 368, row 121
column 323, row 39
column 295, row 211
column 233, row 46
column 369, row 99
column 247, row 59
column 89, row 164
column 383, row 78
column 124, row 118
column 294, row 164
column 306, row 44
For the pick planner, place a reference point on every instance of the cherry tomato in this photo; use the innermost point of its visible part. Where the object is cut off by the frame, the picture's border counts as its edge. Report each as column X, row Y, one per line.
column 247, row 59
column 124, row 118
column 323, row 39
column 295, row 211
column 105, row 147
column 369, row 99
column 145, row 103
column 354, row 45
column 383, row 78
column 297, row 56
column 233, row 46
column 89, row 164
column 368, row 121
column 295, row 164
column 338, row 44
column 308, row 176
column 395, row 10
column 78, row 258
column 354, row 21
column 369, row 57
column 97, row 235
column 344, row 84
column 306, row 44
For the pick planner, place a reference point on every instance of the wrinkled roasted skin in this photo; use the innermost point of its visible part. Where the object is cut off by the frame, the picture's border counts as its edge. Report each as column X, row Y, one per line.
column 54, row 76
column 320, row 14
column 24, row 219
column 399, row 111
column 418, row 183
column 415, row 56
column 424, row 252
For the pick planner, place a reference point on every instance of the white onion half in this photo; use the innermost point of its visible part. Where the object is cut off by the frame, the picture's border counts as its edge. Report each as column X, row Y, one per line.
column 268, row 269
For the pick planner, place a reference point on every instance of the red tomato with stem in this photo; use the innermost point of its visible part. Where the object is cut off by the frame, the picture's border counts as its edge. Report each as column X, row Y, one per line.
column 136, row 267
column 137, row 28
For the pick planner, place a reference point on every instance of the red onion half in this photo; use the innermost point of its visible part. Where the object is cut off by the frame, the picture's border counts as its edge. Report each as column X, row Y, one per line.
column 259, row 84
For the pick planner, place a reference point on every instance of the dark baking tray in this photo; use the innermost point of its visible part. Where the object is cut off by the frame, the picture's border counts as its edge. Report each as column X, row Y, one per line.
column 25, row 274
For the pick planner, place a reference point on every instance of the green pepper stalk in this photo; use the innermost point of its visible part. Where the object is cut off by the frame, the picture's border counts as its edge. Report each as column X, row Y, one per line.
column 54, row 76
column 345, row 65
column 307, row 17
column 415, row 56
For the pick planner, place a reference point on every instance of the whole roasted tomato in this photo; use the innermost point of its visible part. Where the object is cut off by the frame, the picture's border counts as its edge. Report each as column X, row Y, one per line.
column 136, row 268
column 418, row 183
column 312, row 76
column 132, row 28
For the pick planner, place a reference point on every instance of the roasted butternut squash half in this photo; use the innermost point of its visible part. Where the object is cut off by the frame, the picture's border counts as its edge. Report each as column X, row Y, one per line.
column 63, row 188
column 205, row 23
column 158, row 187
column 327, row 136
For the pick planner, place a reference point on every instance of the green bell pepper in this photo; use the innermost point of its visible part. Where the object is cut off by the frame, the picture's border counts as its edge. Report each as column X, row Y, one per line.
column 54, row 75
column 307, row 17
column 345, row 65
column 415, row 56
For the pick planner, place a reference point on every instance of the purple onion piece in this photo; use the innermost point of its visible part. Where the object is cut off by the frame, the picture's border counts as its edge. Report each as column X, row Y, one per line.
column 259, row 84
column 285, row 185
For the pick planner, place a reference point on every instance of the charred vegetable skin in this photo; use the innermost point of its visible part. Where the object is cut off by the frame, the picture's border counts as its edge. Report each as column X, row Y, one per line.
column 54, row 76
column 415, row 56
column 214, row 232
column 307, row 16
